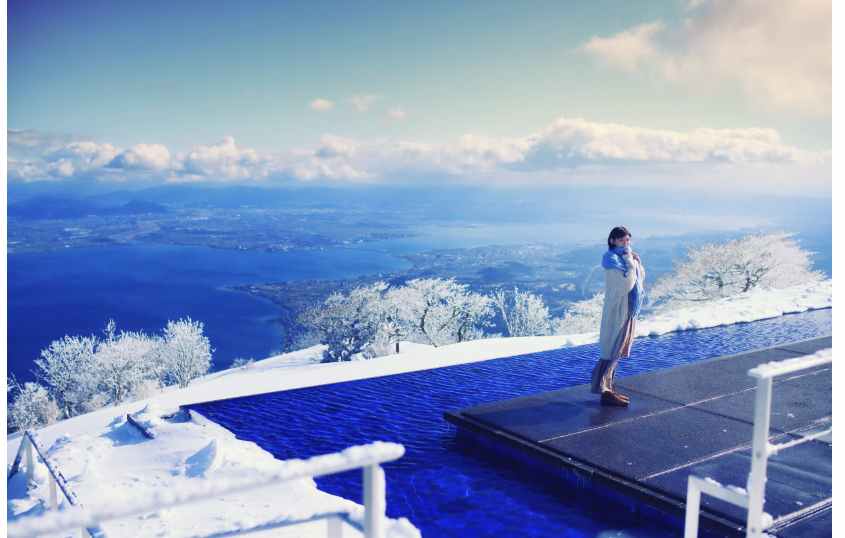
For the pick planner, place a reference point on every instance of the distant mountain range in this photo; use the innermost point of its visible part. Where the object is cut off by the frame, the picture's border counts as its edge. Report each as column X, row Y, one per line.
column 60, row 207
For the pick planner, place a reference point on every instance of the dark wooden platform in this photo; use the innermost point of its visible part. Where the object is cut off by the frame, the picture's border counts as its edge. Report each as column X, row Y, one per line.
column 691, row 419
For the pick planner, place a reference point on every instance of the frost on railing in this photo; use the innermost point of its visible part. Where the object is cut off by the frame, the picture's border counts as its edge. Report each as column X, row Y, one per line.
column 367, row 457
column 787, row 366
column 28, row 451
column 753, row 498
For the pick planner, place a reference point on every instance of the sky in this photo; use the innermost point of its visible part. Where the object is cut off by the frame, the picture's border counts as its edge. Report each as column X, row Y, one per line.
column 700, row 93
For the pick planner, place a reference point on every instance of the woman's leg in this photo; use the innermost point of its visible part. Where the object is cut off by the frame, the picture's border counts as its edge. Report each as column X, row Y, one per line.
column 598, row 373
column 602, row 378
column 625, row 351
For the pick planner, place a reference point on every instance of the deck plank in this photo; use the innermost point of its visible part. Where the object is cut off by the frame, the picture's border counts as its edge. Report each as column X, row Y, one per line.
column 695, row 418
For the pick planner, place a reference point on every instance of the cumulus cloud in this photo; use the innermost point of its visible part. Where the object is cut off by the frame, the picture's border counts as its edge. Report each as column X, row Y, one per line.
column 567, row 150
column 572, row 142
column 78, row 157
column 627, row 50
column 362, row 103
column 26, row 141
column 321, row 105
column 335, row 159
column 142, row 157
column 778, row 54
column 221, row 161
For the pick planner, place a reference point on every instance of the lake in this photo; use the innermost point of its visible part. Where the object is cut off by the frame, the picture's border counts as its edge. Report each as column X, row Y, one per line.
column 142, row 286
column 75, row 291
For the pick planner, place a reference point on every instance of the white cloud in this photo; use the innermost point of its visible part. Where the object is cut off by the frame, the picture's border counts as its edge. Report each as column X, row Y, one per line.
column 221, row 161
column 777, row 53
column 75, row 158
column 567, row 150
column 629, row 49
column 362, row 103
column 143, row 157
column 334, row 159
column 396, row 113
column 321, row 105
column 572, row 142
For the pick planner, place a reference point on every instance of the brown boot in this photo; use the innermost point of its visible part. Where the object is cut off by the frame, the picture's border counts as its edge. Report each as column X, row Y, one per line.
column 623, row 396
column 610, row 398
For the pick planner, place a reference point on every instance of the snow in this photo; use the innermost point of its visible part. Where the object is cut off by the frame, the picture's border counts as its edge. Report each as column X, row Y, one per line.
column 774, row 368
column 757, row 304
column 119, row 467
column 107, row 460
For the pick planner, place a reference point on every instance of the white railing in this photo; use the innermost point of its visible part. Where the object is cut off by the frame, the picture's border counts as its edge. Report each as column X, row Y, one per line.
column 28, row 450
column 753, row 498
column 366, row 457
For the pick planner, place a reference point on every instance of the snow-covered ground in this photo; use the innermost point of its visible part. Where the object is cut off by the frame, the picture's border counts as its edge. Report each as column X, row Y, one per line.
column 104, row 458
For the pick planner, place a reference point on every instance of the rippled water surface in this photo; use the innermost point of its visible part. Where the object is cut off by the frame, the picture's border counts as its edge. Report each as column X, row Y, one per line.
column 446, row 489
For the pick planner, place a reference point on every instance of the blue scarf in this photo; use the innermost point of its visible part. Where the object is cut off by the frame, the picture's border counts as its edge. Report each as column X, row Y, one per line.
column 613, row 259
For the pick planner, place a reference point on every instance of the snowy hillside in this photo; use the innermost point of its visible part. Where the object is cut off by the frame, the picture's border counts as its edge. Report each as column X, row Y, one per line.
column 105, row 458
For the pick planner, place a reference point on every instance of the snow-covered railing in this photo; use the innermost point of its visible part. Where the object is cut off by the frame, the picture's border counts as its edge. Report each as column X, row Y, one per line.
column 29, row 448
column 367, row 457
column 753, row 497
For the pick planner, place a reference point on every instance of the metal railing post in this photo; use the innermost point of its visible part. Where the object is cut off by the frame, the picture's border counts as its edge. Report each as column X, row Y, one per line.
column 693, row 508
column 754, row 496
column 366, row 457
column 334, row 527
column 759, row 458
column 54, row 496
column 374, row 501
column 30, row 461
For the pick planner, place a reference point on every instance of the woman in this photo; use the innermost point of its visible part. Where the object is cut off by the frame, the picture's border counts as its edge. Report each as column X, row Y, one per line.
column 623, row 298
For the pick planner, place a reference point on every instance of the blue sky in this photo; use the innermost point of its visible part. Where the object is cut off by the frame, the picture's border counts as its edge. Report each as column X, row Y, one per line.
column 364, row 92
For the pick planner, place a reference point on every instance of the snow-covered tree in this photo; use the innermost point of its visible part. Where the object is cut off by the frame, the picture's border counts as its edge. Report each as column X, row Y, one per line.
column 718, row 270
column 126, row 364
column 581, row 316
column 524, row 313
column 67, row 368
column 347, row 322
column 394, row 326
column 242, row 362
column 442, row 311
column 185, row 352
column 32, row 407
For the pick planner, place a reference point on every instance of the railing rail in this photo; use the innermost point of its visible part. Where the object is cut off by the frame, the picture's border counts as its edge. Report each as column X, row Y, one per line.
column 366, row 457
column 28, row 449
column 753, row 497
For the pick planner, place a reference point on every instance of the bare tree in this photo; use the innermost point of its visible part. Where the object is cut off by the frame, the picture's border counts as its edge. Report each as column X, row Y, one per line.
column 347, row 322
column 185, row 352
column 32, row 407
column 524, row 313
column 581, row 316
column 718, row 270
column 126, row 363
column 442, row 311
column 67, row 368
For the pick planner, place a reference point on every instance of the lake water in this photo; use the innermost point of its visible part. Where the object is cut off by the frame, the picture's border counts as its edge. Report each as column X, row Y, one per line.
column 75, row 291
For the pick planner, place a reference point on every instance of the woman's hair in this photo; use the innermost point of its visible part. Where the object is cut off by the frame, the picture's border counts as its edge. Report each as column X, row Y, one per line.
column 617, row 233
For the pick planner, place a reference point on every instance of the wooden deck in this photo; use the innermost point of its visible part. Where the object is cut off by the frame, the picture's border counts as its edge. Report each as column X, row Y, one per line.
column 691, row 419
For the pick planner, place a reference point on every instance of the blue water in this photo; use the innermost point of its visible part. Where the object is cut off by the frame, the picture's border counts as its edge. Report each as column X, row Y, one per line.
column 446, row 489
column 75, row 291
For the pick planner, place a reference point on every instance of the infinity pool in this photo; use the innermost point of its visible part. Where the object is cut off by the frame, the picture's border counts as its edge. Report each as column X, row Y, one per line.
column 446, row 488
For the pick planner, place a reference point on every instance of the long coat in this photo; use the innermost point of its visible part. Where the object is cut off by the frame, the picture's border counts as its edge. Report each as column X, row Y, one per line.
column 615, row 313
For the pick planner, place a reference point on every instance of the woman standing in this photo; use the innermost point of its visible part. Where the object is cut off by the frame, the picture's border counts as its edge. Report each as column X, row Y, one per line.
column 623, row 298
